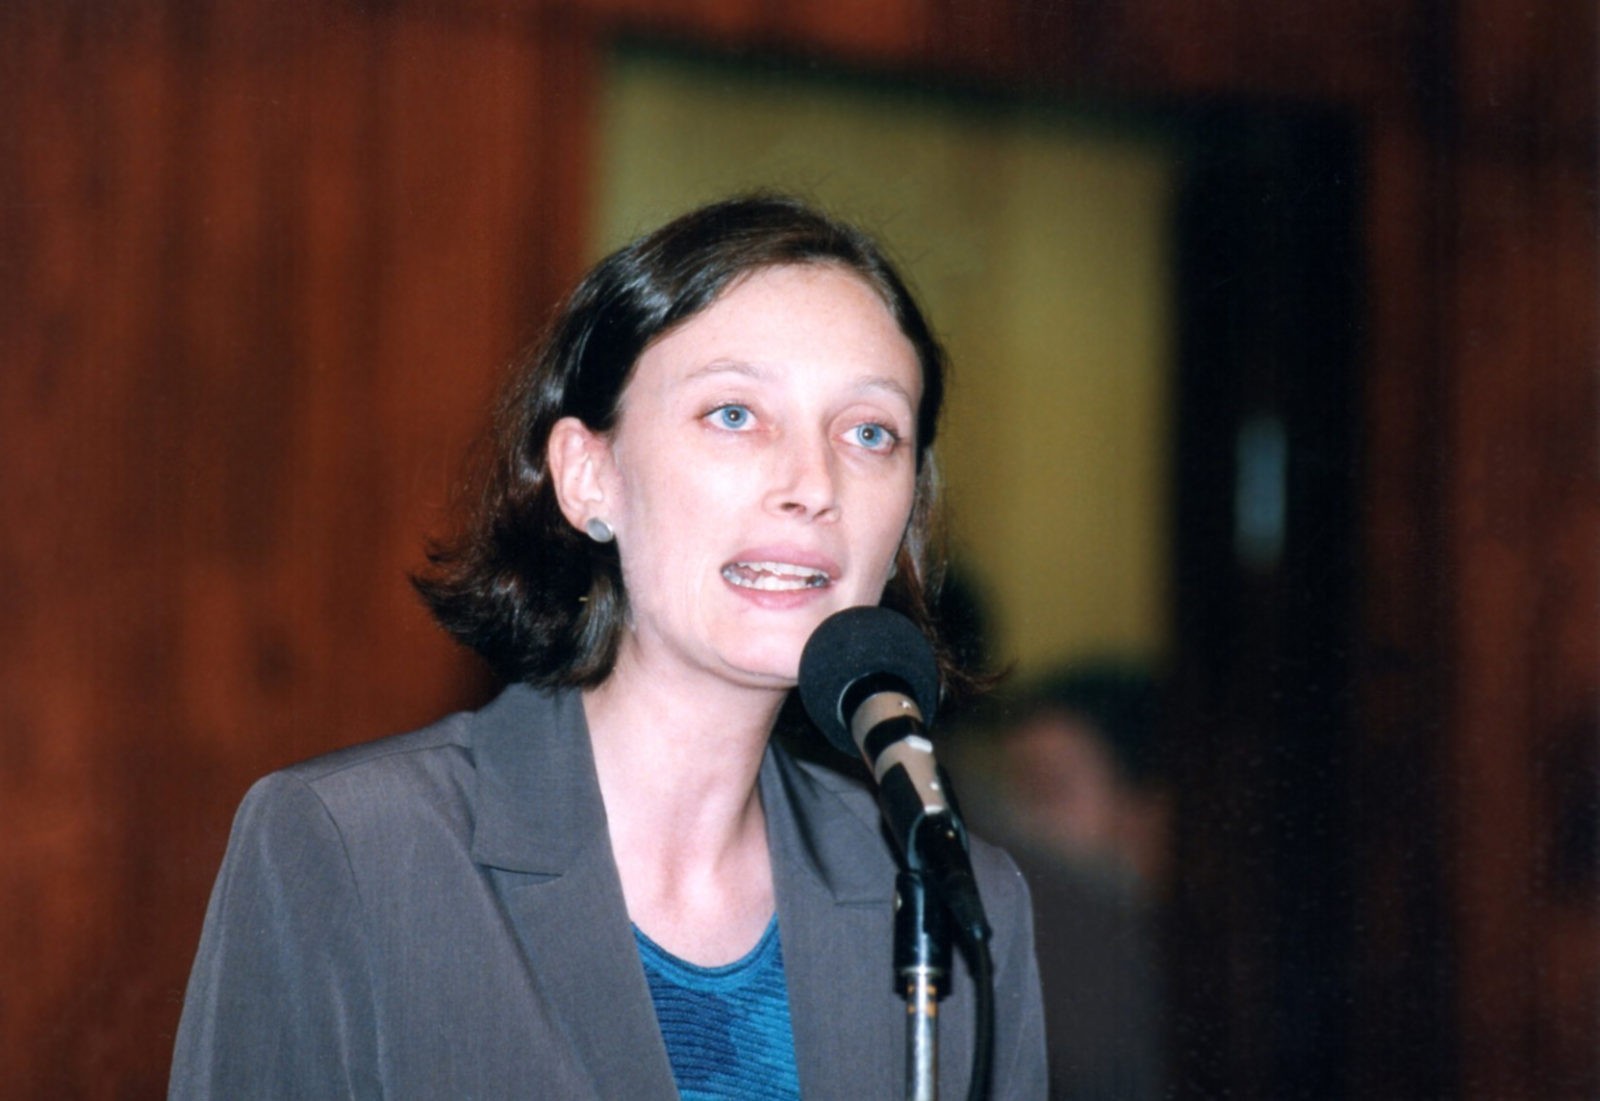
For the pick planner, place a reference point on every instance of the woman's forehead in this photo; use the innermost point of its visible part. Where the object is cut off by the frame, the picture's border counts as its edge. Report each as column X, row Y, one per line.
column 783, row 317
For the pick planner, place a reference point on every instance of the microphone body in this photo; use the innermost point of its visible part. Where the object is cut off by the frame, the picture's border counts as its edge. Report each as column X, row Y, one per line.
column 868, row 679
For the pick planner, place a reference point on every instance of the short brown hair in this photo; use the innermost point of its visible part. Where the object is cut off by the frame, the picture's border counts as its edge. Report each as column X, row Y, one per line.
column 539, row 601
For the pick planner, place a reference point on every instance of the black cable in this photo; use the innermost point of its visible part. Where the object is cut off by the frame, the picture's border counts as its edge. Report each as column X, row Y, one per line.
column 983, row 1030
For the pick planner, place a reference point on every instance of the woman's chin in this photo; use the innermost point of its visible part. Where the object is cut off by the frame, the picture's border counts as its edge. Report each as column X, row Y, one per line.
column 773, row 668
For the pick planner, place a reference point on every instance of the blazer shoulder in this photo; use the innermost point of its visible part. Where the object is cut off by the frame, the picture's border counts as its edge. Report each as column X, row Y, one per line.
column 401, row 751
column 382, row 782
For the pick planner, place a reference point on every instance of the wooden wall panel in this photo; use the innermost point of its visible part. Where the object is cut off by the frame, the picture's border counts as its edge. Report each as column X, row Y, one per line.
column 1400, row 962
column 1524, row 527
column 264, row 265
column 1523, row 503
column 87, row 665
column 1494, row 506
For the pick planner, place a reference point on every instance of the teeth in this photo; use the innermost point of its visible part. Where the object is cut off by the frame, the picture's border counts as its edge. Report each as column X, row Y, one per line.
column 773, row 576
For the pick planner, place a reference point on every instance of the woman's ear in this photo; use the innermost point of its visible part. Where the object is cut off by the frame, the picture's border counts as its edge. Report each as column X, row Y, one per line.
column 578, row 458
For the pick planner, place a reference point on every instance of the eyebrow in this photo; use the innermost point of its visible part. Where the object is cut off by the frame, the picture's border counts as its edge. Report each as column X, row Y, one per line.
column 759, row 373
column 726, row 366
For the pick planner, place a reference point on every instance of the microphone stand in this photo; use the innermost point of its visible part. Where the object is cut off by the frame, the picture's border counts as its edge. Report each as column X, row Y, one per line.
column 922, row 963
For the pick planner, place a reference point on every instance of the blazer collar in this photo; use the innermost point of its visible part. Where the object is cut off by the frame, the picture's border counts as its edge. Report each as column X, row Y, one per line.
column 539, row 809
column 826, row 828
column 541, row 829
column 540, row 824
column 538, row 800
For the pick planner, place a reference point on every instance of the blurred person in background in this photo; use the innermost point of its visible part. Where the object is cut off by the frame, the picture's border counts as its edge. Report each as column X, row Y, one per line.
column 1070, row 781
column 1081, row 763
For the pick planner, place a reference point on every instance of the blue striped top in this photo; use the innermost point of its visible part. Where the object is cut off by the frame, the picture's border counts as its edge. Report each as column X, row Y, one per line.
column 726, row 1028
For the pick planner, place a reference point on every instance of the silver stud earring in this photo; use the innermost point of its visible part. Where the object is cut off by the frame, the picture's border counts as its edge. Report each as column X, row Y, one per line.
column 598, row 530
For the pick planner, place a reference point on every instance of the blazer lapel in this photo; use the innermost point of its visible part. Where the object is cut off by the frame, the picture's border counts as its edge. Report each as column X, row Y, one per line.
column 835, row 886
column 541, row 827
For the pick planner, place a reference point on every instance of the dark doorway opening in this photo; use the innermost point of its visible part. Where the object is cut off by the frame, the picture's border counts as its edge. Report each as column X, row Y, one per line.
column 1266, row 474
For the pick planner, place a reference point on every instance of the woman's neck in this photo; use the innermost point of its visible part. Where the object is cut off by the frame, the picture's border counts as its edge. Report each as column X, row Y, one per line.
column 678, row 764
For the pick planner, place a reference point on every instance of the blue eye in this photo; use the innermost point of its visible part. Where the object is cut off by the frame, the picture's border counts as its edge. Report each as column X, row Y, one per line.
column 874, row 437
column 734, row 417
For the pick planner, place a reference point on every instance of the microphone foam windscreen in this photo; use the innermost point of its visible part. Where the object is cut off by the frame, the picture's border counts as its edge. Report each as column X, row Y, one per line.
column 863, row 642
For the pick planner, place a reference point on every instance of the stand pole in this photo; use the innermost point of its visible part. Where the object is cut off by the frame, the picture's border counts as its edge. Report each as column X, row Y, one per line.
column 922, row 968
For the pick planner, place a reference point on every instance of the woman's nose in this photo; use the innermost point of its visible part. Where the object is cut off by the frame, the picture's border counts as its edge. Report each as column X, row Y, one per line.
column 805, row 482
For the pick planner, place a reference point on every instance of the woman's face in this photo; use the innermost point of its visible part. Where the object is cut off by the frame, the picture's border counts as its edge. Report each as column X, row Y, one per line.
column 761, row 473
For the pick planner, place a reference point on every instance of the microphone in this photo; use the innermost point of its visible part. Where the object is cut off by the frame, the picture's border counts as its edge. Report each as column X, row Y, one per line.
column 870, row 683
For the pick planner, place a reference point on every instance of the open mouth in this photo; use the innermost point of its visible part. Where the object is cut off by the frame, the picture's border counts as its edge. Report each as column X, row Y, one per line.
column 773, row 576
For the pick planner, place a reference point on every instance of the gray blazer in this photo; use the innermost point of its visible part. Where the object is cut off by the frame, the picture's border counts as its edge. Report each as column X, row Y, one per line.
column 438, row 915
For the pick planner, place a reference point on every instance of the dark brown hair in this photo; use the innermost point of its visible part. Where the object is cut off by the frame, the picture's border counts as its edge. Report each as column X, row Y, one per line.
column 538, row 600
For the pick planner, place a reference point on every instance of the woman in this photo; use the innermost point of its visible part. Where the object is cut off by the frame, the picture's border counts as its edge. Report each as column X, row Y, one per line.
column 608, row 883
